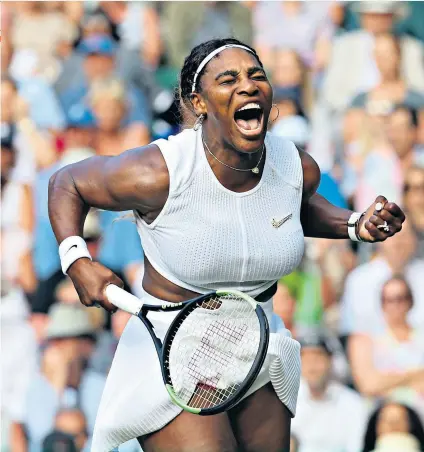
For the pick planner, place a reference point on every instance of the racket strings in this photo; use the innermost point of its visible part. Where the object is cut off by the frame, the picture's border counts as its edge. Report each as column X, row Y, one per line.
column 213, row 351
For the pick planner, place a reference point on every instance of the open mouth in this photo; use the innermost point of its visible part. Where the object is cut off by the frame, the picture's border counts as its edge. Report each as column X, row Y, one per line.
column 249, row 118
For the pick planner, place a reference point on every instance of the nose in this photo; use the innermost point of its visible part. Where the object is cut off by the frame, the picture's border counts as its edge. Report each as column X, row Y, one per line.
column 248, row 87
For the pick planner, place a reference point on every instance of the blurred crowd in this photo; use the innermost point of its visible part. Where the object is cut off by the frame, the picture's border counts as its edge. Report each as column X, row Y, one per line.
column 96, row 78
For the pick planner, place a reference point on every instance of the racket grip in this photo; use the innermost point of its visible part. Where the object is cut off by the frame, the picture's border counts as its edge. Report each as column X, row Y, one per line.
column 123, row 299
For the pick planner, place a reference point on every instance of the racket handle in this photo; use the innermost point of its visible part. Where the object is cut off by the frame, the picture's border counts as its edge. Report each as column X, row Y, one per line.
column 123, row 299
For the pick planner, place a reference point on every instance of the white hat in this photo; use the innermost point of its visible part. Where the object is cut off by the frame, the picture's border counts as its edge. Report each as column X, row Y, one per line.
column 381, row 7
column 68, row 320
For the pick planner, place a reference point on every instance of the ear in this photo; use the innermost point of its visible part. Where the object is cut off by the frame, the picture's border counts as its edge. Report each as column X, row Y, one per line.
column 198, row 103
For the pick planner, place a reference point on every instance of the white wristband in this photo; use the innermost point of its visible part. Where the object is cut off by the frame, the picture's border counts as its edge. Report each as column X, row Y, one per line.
column 72, row 249
column 352, row 224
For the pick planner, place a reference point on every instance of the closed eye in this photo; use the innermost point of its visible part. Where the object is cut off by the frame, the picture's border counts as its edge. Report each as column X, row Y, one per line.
column 228, row 82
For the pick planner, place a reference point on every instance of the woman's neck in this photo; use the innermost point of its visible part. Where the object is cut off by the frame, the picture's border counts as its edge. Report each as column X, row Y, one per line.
column 401, row 331
column 218, row 151
column 391, row 79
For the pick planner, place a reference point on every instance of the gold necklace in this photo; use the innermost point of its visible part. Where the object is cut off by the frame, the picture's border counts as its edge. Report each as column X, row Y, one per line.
column 255, row 169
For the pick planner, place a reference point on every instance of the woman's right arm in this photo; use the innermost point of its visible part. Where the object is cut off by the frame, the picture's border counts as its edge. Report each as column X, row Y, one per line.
column 135, row 180
column 370, row 381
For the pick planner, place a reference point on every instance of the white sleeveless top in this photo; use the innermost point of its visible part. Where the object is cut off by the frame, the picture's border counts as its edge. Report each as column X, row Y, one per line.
column 208, row 237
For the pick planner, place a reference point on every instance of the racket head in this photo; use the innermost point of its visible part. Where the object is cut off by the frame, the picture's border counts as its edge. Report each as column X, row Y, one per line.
column 213, row 351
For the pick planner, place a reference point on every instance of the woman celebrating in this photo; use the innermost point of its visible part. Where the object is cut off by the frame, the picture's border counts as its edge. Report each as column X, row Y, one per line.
column 223, row 204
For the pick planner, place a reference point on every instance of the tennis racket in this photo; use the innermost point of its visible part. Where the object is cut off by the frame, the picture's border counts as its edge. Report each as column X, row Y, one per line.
column 213, row 350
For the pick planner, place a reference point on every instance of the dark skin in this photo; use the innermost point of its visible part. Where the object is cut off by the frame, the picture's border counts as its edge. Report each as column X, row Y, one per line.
column 138, row 180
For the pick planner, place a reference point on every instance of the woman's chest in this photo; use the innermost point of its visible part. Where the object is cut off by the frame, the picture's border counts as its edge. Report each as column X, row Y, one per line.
column 235, row 238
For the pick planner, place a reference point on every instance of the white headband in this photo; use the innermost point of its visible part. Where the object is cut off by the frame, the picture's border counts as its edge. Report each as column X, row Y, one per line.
column 210, row 56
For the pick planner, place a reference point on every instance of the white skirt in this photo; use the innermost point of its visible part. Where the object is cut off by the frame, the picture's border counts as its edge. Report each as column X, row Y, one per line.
column 135, row 401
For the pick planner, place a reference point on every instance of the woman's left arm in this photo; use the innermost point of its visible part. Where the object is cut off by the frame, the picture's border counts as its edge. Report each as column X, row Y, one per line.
column 322, row 219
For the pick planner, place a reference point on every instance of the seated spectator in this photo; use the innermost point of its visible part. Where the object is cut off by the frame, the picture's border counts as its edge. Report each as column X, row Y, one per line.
column 288, row 71
column 205, row 20
column 72, row 422
column 391, row 363
column 330, row 417
column 99, row 63
column 109, row 104
column 31, row 17
column 35, row 89
column 403, row 137
column 360, row 303
column 64, row 379
column 391, row 87
column 138, row 28
column 352, row 67
column 34, row 149
column 129, row 67
column 362, row 184
column 290, row 121
column 414, row 203
column 293, row 25
column 394, row 427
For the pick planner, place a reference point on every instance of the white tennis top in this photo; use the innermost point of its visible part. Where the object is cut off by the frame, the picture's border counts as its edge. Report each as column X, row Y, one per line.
column 208, row 237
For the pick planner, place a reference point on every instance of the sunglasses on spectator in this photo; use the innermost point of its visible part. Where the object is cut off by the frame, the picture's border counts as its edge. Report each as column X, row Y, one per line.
column 396, row 299
column 413, row 187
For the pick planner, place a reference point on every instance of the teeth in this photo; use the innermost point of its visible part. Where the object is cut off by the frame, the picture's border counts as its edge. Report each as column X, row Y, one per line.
column 250, row 106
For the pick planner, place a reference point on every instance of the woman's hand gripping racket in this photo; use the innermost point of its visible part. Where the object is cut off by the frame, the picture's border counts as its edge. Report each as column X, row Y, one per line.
column 213, row 350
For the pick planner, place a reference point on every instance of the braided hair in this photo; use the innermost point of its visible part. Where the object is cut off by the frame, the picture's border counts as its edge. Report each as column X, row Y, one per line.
column 190, row 66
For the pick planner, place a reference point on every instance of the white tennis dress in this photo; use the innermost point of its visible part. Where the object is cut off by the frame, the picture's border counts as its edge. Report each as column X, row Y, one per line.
column 208, row 237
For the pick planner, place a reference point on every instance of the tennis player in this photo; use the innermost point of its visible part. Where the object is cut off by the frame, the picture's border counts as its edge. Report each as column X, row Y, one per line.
column 223, row 204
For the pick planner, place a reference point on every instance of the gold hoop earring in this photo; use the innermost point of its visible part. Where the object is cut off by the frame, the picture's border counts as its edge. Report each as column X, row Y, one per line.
column 199, row 122
column 278, row 112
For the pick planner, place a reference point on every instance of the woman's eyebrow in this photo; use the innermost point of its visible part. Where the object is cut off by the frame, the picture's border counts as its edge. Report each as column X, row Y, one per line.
column 254, row 69
column 234, row 73
column 231, row 72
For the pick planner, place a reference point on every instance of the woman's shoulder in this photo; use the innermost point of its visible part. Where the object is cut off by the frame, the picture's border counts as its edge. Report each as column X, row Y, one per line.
column 179, row 153
column 285, row 159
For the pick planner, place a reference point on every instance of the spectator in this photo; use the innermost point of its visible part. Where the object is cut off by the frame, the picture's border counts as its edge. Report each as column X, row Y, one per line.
column 391, row 363
column 34, row 149
column 129, row 67
column 360, row 304
column 330, row 417
column 138, row 28
column 17, row 222
column 72, row 422
column 293, row 24
column 394, row 427
column 388, row 58
column 205, row 20
column 402, row 133
column 100, row 64
column 352, row 68
column 414, row 202
column 109, row 105
column 17, row 283
column 64, row 379
column 31, row 17
column 288, row 71
column 290, row 121
column 370, row 150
